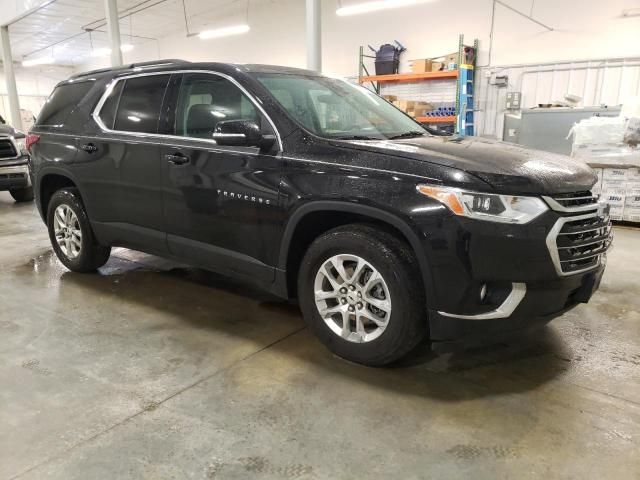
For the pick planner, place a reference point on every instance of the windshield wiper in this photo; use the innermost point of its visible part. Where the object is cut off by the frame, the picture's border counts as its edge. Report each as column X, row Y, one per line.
column 357, row 137
column 411, row 134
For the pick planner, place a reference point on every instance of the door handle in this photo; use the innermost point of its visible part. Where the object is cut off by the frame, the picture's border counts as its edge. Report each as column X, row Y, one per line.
column 89, row 148
column 177, row 159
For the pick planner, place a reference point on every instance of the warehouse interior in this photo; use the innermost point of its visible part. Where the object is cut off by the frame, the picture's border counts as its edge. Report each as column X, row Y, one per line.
column 151, row 367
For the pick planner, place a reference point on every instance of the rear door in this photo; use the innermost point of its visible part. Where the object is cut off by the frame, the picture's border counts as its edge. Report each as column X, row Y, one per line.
column 121, row 168
column 221, row 203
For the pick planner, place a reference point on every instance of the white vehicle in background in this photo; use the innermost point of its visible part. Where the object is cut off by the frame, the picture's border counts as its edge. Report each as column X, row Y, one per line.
column 14, row 164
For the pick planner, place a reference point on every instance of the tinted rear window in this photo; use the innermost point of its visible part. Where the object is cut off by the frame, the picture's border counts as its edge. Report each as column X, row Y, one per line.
column 140, row 104
column 62, row 102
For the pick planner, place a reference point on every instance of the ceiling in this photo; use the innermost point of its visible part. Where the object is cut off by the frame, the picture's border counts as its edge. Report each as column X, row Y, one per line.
column 59, row 28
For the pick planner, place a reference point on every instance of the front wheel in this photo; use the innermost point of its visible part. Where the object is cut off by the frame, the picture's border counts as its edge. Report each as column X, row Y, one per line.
column 361, row 293
column 71, row 235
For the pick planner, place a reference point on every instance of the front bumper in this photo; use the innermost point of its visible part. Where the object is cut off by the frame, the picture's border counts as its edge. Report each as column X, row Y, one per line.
column 14, row 174
column 490, row 280
column 541, row 303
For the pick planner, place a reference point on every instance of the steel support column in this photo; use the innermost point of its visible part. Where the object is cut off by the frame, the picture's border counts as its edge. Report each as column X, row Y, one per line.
column 113, row 25
column 314, row 37
column 10, row 78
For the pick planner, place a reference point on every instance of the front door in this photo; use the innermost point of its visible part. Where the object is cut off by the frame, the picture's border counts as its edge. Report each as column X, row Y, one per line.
column 220, row 203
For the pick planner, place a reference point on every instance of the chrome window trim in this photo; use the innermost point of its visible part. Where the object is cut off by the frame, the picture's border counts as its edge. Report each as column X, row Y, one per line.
column 96, row 111
column 518, row 292
column 553, row 248
column 561, row 208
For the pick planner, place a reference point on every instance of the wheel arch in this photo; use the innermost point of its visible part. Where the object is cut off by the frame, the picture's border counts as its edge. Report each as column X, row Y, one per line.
column 312, row 219
column 50, row 182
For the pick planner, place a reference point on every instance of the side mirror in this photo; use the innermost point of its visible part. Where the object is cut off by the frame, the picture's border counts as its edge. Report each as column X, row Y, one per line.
column 242, row 133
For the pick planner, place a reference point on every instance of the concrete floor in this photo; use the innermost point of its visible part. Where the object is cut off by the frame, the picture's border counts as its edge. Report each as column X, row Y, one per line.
column 153, row 370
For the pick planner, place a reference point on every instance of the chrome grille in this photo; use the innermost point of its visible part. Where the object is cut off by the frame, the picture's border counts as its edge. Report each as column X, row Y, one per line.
column 577, row 243
column 573, row 202
column 7, row 149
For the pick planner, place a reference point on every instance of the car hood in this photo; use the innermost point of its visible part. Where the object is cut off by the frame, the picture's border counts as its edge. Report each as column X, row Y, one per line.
column 507, row 167
column 8, row 130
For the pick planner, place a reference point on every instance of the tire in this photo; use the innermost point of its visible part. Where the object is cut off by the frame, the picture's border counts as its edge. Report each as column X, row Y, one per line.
column 404, row 325
column 82, row 253
column 22, row 194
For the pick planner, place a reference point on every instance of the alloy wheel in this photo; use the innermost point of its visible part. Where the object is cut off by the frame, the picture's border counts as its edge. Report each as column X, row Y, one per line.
column 67, row 231
column 352, row 298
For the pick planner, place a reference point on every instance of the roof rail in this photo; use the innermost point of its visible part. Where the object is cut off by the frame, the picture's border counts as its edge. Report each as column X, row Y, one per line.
column 152, row 63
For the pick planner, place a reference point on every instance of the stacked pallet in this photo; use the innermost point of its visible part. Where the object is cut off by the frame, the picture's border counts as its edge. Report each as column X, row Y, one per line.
column 620, row 188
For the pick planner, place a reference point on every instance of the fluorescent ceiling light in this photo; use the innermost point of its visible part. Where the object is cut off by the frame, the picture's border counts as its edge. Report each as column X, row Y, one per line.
column 377, row 5
column 223, row 32
column 103, row 52
column 32, row 62
column 100, row 52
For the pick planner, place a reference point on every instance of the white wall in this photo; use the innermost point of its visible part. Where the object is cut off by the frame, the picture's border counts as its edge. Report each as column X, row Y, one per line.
column 34, row 86
column 582, row 30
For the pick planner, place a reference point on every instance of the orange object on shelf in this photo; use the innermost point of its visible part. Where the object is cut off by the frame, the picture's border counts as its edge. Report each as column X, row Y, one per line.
column 451, row 119
column 410, row 77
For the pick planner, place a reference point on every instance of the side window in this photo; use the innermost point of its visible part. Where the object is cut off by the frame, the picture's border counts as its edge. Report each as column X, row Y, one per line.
column 140, row 102
column 110, row 106
column 205, row 100
column 61, row 103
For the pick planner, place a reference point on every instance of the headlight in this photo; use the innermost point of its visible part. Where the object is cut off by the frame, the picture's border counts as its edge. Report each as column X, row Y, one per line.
column 487, row 206
column 21, row 143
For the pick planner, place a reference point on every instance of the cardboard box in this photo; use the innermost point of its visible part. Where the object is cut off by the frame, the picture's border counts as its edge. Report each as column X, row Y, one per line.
column 421, row 66
column 633, row 174
column 614, row 197
column 632, row 198
column 451, row 61
column 631, row 214
column 616, row 212
column 437, row 66
column 390, row 98
column 420, row 109
column 406, row 105
column 615, row 174
column 613, row 184
column 633, row 184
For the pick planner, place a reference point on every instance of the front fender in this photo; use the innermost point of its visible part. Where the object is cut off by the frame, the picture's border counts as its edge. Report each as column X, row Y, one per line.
column 403, row 225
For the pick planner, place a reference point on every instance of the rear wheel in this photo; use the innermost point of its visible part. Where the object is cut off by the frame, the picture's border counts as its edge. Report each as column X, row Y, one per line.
column 362, row 295
column 22, row 194
column 71, row 235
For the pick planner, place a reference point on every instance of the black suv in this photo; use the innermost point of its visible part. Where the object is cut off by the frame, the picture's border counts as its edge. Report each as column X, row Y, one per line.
column 317, row 189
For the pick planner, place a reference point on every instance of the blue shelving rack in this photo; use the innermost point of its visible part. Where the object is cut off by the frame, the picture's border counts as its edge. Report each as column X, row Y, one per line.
column 466, row 88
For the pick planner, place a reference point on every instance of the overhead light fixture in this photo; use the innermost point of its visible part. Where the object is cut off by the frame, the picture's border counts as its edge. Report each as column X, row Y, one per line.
column 223, row 32
column 376, row 6
column 32, row 62
column 631, row 12
column 100, row 52
column 104, row 52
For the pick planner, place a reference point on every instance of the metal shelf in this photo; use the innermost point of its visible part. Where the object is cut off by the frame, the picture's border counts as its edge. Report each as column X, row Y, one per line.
column 410, row 77
column 451, row 119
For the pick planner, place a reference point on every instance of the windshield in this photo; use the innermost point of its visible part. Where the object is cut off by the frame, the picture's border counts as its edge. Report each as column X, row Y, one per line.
column 334, row 108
